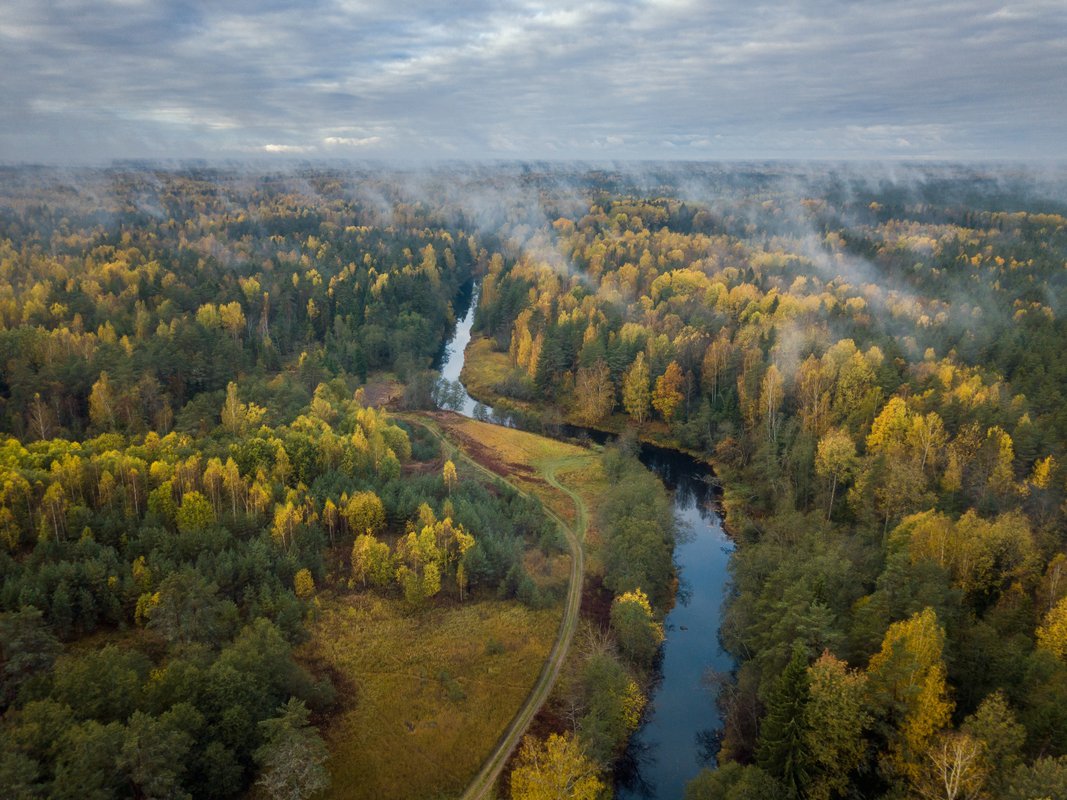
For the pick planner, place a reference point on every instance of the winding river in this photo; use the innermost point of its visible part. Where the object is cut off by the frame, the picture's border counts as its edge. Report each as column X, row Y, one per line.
column 678, row 734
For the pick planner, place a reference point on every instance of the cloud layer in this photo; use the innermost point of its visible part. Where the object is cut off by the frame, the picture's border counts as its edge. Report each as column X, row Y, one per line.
column 660, row 79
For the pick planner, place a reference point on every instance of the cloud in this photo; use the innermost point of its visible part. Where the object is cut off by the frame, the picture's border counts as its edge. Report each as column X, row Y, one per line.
column 286, row 148
column 534, row 79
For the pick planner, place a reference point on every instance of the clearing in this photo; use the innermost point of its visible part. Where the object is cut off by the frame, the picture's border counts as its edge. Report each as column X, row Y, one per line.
column 425, row 696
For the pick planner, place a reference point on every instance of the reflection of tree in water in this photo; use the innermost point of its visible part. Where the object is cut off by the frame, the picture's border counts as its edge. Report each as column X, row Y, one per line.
column 708, row 742
column 639, row 758
column 684, row 532
column 629, row 769
column 691, row 481
column 684, row 593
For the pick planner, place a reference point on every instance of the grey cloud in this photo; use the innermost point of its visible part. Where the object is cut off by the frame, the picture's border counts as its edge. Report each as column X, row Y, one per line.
column 971, row 79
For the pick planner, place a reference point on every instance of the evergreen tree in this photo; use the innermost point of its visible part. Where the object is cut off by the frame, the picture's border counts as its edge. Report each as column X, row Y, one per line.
column 782, row 751
column 292, row 757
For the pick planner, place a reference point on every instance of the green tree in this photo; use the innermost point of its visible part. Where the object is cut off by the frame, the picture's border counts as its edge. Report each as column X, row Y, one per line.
column 782, row 750
column 638, row 633
column 995, row 726
column 188, row 608
column 836, row 719
column 85, row 765
column 20, row 774
column 733, row 781
column 1045, row 779
column 293, row 756
column 153, row 757
column 27, row 648
column 612, row 703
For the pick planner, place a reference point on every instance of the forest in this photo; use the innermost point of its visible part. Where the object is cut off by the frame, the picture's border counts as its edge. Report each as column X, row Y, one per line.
column 205, row 397
column 875, row 370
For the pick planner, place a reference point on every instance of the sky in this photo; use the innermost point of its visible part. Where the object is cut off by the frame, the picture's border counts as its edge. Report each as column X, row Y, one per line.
column 89, row 82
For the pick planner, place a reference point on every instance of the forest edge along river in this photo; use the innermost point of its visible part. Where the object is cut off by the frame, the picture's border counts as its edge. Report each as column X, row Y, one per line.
column 679, row 730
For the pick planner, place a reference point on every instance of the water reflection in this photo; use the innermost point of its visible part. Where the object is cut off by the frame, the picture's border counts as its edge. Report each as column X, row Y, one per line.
column 679, row 735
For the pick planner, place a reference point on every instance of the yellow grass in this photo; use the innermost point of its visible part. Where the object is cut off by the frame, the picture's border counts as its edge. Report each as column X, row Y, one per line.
column 483, row 369
column 525, row 457
column 425, row 697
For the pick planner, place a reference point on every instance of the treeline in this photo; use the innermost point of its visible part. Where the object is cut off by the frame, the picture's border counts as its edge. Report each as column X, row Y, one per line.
column 881, row 394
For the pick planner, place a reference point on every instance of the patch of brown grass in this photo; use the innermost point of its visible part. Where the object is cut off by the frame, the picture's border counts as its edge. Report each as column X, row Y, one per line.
column 425, row 696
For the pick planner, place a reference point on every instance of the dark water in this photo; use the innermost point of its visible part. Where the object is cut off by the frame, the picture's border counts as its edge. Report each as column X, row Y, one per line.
column 678, row 735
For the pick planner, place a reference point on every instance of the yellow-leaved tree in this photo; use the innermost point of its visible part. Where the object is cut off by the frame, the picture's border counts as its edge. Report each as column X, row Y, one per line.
column 448, row 473
column 1052, row 632
column 304, row 584
column 835, row 461
column 365, row 513
column 635, row 394
column 667, row 395
column 554, row 769
column 909, row 694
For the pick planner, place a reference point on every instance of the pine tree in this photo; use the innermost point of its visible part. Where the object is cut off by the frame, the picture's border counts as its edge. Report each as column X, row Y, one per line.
column 782, row 750
column 292, row 756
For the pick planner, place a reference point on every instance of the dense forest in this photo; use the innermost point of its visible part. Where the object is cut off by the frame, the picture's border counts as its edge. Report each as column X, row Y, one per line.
column 190, row 452
column 875, row 369
column 193, row 446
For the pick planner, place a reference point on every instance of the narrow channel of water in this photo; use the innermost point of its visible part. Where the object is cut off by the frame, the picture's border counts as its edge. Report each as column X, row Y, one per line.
column 450, row 361
column 678, row 735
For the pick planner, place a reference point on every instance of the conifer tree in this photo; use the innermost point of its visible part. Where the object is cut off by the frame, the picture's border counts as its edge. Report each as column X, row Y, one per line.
column 782, row 750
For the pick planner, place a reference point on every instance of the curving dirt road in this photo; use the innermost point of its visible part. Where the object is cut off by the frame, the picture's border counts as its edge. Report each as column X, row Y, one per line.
column 481, row 787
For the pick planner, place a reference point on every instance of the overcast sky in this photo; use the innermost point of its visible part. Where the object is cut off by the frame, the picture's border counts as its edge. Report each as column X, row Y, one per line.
column 659, row 79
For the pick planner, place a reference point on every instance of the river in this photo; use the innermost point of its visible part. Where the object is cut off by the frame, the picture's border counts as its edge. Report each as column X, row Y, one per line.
column 678, row 734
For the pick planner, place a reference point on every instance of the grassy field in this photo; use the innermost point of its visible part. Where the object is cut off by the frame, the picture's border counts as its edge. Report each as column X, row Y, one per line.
column 483, row 369
column 425, row 697
column 527, row 459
